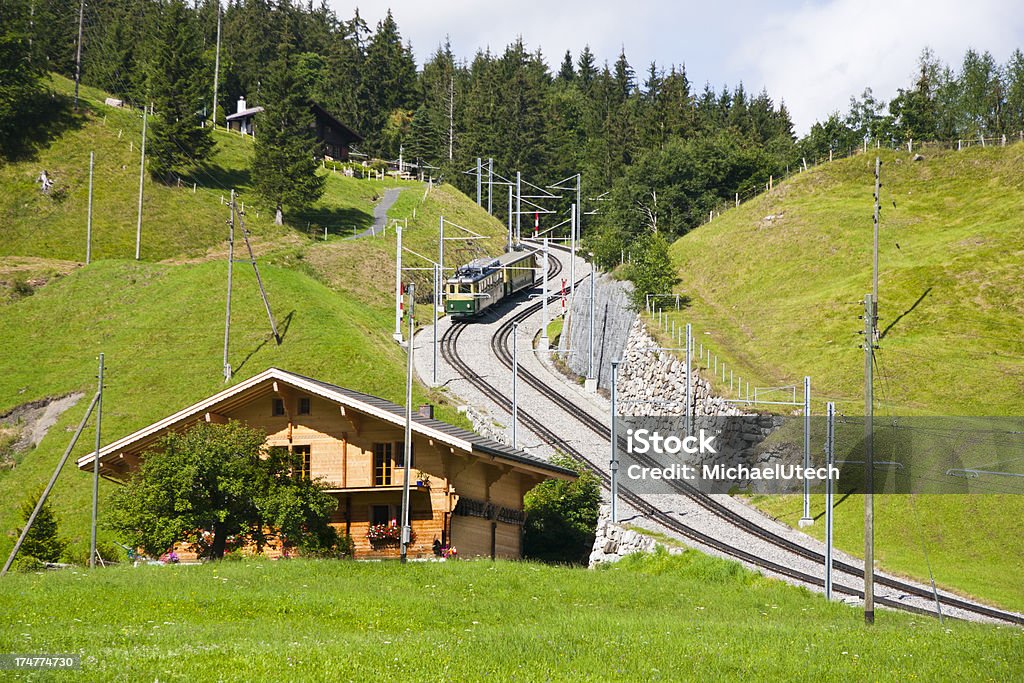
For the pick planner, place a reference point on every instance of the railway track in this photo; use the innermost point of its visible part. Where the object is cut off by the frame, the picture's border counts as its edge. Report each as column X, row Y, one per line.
column 499, row 345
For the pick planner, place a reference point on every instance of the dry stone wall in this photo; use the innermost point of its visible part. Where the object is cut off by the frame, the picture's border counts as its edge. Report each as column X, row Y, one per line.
column 613, row 541
column 652, row 383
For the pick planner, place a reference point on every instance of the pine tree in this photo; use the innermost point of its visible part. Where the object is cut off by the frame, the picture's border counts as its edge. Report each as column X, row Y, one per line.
column 43, row 541
column 178, row 90
column 20, row 73
column 1014, row 116
column 587, row 69
column 566, row 73
column 424, row 138
column 389, row 79
column 284, row 161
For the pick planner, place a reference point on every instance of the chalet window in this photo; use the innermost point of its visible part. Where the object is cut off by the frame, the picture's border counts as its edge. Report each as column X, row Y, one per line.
column 400, row 454
column 303, row 461
column 382, row 464
column 304, row 405
column 380, row 514
column 277, row 407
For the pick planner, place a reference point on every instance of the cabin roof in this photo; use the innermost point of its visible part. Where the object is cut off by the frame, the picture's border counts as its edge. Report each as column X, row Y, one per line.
column 244, row 114
column 374, row 406
column 330, row 118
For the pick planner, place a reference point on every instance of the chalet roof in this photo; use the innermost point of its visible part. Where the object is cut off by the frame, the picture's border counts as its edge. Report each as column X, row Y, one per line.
column 354, row 136
column 374, row 406
column 244, row 114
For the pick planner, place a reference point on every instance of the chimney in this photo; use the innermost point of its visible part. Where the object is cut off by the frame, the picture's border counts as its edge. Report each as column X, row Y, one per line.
column 427, row 411
column 241, row 104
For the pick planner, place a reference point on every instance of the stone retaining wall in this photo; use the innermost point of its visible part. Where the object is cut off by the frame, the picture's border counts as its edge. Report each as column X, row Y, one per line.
column 613, row 541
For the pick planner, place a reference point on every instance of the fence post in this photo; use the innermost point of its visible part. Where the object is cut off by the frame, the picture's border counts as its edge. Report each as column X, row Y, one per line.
column 959, row 145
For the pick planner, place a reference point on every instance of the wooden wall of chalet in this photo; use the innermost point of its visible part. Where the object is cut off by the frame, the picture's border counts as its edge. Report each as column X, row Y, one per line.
column 341, row 450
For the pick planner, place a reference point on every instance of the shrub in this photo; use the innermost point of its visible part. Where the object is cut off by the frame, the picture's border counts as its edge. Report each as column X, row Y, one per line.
column 561, row 516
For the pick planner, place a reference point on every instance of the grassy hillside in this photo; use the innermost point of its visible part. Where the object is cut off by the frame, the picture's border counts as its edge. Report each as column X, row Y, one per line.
column 177, row 222
column 160, row 322
column 648, row 618
column 774, row 286
column 775, row 283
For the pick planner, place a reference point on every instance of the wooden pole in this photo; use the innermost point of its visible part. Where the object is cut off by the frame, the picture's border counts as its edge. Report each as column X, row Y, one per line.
column 49, row 486
column 259, row 280
column 88, row 219
column 96, row 469
column 231, row 267
column 142, row 177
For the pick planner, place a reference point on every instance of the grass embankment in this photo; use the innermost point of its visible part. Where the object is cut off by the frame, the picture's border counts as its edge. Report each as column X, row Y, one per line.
column 647, row 618
column 776, row 299
column 160, row 321
column 365, row 269
column 161, row 328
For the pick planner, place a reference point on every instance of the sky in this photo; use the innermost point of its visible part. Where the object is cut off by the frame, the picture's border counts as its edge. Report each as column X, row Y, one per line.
column 812, row 55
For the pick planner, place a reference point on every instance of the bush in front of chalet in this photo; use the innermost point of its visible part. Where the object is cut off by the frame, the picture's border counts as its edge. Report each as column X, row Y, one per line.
column 43, row 541
column 561, row 516
column 221, row 480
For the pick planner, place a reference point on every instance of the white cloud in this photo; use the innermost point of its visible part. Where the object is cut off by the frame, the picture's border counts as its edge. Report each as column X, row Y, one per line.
column 816, row 57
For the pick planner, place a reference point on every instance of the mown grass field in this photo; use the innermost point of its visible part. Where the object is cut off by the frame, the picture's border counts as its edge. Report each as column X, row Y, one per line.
column 648, row 618
column 776, row 299
column 160, row 321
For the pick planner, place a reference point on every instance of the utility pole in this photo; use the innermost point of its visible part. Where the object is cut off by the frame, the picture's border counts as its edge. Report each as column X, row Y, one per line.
column 544, row 343
column 398, row 285
column 406, row 530
column 96, row 468
column 440, row 246
column 515, row 383
column 830, row 449
column 687, row 419
column 510, row 218
column 519, row 205
column 216, row 68
column 451, row 117
column 614, row 466
column 78, row 53
column 807, row 520
column 574, row 218
column 437, row 303
column 231, row 270
column 259, row 280
column 88, row 219
column 142, row 176
column 869, row 462
column 591, row 382
column 874, row 270
column 49, row 486
column 479, row 181
column 490, row 185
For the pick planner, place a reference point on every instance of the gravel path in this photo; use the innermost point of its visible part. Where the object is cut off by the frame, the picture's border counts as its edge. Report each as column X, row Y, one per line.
column 380, row 213
column 474, row 346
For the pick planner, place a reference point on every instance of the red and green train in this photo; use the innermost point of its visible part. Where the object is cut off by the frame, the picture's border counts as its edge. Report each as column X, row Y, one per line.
column 484, row 282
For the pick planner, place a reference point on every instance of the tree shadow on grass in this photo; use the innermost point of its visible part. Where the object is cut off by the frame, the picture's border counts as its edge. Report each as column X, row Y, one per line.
column 216, row 177
column 46, row 118
column 340, row 221
column 282, row 330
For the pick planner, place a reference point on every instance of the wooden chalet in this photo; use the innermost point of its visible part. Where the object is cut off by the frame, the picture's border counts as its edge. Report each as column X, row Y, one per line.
column 335, row 137
column 466, row 490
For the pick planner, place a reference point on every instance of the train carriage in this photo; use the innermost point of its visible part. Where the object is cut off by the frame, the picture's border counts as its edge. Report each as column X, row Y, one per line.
column 483, row 282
